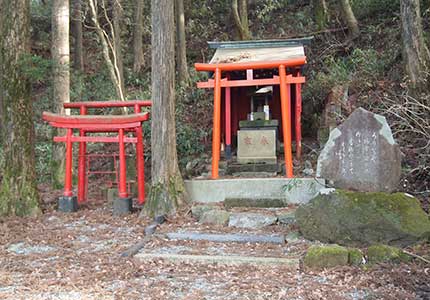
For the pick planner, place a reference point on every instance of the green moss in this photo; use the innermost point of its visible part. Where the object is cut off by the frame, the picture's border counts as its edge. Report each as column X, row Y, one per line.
column 355, row 257
column 165, row 198
column 18, row 197
column 385, row 253
column 356, row 219
column 399, row 208
column 326, row 256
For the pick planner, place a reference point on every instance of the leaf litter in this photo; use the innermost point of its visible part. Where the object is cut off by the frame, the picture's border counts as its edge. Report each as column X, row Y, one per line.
column 77, row 256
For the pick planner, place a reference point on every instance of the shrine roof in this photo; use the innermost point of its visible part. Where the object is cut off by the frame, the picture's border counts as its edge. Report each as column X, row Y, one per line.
column 258, row 51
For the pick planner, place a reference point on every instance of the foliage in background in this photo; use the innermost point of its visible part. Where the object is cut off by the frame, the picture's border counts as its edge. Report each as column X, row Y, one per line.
column 372, row 8
column 371, row 66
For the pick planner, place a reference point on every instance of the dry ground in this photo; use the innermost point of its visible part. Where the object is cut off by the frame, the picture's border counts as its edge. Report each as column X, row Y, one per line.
column 77, row 256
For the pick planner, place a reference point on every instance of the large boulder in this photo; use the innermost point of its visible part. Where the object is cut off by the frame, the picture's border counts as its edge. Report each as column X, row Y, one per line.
column 356, row 218
column 361, row 154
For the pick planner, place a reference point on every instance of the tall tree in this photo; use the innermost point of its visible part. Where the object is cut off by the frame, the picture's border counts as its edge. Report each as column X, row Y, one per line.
column 77, row 33
column 320, row 13
column 349, row 18
column 181, row 53
column 167, row 193
column 18, row 190
column 240, row 16
column 415, row 52
column 138, row 55
column 61, row 80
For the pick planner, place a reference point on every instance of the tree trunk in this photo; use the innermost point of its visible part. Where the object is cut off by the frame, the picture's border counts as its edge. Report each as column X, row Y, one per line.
column 139, row 58
column 415, row 52
column 117, row 44
column 320, row 13
column 240, row 16
column 18, row 189
column 76, row 28
column 181, row 54
column 167, row 193
column 350, row 19
column 61, row 79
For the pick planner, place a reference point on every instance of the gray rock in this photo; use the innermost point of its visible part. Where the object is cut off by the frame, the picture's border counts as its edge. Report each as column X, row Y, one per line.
column 215, row 216
column 293, row 237
column 356, row 218
column 251, row 220
column 198, row 210
column 23, row 248
column 361, row 155
column 191, row 165
column 308, row 170
column 287, row 218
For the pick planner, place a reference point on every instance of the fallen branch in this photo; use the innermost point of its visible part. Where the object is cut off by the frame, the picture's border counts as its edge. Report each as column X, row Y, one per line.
column 416, row 256
column 136, row 248
column 149, row 231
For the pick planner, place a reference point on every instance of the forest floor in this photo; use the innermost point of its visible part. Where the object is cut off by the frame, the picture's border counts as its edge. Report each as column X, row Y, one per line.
column 78, row 256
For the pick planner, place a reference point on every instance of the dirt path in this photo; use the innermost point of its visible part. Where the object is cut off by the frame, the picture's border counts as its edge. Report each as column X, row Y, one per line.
column 77, row 256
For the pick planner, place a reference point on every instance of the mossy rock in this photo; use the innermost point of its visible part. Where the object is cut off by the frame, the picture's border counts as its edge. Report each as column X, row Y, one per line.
column 355, row 257
column 356, row 219
column 319, row 257
column 385, row 253
column 198, row 210
column 215, row 217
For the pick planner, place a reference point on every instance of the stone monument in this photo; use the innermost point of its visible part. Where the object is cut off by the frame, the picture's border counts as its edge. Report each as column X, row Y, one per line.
column 361, row 155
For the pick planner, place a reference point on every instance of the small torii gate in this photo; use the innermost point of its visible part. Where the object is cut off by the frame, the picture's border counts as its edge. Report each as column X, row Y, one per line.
column 86, row 124
column 282, row 60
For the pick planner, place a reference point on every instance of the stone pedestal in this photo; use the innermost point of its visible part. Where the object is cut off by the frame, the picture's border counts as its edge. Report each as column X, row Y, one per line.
column 122, row 206
column 256, row 146
column 67, row 204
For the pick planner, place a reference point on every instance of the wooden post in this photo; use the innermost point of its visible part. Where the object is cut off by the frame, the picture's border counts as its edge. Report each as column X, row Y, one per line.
column 68, row 177
column 286, row 120
column 216, row 135
column 228, row 122
column 140, row 161
column 122, row 187
column 82, row 195
column 298, row 119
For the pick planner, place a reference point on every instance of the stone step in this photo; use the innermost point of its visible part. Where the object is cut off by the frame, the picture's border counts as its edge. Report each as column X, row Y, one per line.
column 292, row 263
column 293, row 190
column 255, row 202
column 234, row 168
column 254, row 175
column 227, row 238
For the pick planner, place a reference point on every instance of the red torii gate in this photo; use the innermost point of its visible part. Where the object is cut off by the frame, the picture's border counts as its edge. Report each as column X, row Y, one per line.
column 121, row 124
column 283, row 80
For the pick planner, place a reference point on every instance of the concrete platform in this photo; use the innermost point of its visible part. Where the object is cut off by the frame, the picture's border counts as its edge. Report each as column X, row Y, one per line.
column 293, row 191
